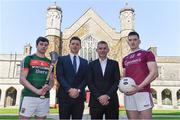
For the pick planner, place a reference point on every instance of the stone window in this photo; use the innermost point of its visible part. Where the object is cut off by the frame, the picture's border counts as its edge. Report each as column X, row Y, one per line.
column 88, row 50
column 18, row 68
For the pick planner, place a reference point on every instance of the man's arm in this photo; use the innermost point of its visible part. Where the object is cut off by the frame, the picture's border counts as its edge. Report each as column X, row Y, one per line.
column 60, row 75
column 28, row 85
column 83, row 84
column 123, row 72
column 116, row 77
column 90, row 80
column 62, row 81
column 153, row 74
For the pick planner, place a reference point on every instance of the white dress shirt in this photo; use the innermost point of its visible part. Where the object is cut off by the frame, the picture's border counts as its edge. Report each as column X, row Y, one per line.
column 77, row 60
column 103, row 65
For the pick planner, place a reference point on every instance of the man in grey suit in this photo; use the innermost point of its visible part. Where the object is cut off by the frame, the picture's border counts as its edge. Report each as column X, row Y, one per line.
column 71, row 74
column 103, row 79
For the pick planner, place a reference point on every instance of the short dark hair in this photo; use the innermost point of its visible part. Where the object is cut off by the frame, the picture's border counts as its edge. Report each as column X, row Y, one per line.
column 133, row 33
column 75, row 38
column 43, row 39
column 102, row 42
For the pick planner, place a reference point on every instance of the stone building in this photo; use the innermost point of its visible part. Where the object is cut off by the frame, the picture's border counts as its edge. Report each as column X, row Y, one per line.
column 91, row 28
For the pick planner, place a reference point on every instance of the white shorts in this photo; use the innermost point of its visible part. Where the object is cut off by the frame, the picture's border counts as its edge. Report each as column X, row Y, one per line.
column 31, row 106
column 139, row 101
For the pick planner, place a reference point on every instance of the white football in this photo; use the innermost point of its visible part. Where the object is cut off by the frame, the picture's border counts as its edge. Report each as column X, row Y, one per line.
column 125, row 84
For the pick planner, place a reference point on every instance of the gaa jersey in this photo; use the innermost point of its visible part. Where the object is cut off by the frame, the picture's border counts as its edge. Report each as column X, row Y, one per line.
column 135, row 65
column 37, row 68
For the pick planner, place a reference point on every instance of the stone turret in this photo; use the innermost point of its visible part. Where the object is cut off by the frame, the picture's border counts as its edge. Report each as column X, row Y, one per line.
column 126, row 20
column 53, row 28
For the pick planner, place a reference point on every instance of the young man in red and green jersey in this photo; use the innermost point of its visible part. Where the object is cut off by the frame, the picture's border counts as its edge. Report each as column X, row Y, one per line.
column 33, row 76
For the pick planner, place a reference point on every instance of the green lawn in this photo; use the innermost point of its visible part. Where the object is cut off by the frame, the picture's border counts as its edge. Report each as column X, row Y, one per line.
column 166, row 112
column 15, row 111
column 14, row 118
column 162, row 114
column 157, row 114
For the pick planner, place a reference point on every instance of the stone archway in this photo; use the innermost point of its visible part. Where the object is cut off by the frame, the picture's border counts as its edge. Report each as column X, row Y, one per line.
column 166, row 97
column 154, row 95
column 10, row 99
column 178, row 97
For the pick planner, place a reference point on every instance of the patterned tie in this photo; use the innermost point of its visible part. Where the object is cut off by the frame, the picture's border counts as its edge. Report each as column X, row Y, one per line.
column 74, row 63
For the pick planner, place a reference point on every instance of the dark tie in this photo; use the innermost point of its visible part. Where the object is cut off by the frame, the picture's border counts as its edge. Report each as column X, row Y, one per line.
column 74, row 63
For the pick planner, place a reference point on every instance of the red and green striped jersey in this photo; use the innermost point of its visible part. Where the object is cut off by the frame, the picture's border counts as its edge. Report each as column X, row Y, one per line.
column 37, row 72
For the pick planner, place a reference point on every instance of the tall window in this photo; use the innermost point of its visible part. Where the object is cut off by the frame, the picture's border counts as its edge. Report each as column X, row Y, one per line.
column 160, row 71
column 18, row 69
column 88, row 50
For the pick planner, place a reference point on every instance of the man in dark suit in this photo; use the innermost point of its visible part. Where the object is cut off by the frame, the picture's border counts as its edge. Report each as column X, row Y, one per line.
column 103, row 79
column 71, row 74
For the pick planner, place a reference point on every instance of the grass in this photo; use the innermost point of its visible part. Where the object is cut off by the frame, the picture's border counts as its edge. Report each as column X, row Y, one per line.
column 166, row 112
column 16, row 110
column 166, row 118
column 157, row 114
column 15, row 118
column 161, row 114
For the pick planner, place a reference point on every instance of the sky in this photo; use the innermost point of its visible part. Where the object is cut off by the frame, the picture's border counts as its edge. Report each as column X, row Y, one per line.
column 157, row 21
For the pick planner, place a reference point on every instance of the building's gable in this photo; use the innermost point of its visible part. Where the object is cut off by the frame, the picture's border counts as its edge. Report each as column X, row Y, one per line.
column 90, row 18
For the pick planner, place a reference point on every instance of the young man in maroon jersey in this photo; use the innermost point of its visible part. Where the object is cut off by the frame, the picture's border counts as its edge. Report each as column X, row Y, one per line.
column 141, row 66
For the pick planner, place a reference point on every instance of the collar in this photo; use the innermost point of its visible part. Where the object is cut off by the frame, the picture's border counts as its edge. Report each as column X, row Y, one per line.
column 72, row 55
column 100, row 60
column 135, row 50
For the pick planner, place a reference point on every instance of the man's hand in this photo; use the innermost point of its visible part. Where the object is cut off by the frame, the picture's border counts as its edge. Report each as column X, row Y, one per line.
column 40, row 92
column 134, row 90
column 73, row 93
column 45, row 88
column 104, row 99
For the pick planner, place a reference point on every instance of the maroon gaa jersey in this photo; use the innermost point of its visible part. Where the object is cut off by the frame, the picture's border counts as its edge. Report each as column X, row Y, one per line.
column 135, row 65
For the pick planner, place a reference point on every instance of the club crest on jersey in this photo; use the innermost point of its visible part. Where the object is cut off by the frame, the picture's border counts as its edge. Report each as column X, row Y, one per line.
column 132, row 56
column 139, row 54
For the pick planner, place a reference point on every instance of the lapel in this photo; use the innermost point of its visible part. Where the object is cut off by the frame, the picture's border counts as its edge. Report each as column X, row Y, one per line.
column 70, row 63
column 99, row 67
column 80, row 65
column 107, row 67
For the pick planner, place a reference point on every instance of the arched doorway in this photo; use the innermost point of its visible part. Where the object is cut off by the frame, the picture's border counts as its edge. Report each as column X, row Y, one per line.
column 166, row 97
column 10, row 99
column 178, row 97
column 154, row 95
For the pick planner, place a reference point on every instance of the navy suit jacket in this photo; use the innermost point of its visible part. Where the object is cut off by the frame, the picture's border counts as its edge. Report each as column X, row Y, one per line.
column 67, row 78
column 107, row 84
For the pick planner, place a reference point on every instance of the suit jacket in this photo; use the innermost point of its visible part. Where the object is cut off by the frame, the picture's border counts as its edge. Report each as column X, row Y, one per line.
column 67, row 78
column 107, row 84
